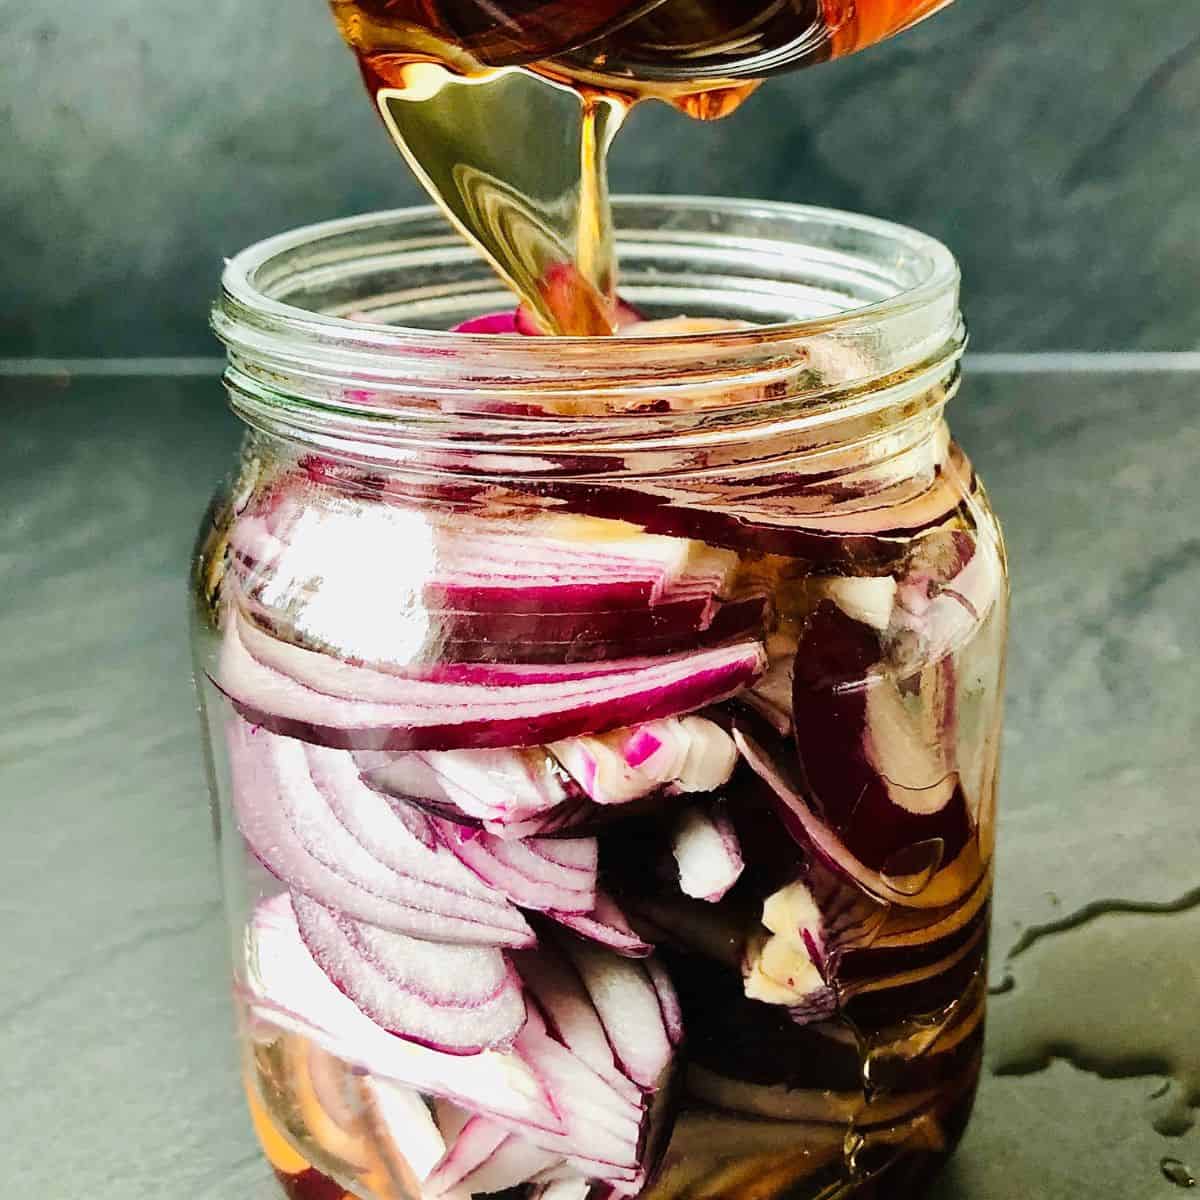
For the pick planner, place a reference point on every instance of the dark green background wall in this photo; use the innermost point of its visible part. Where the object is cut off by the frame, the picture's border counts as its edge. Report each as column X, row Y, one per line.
column 1053, row 145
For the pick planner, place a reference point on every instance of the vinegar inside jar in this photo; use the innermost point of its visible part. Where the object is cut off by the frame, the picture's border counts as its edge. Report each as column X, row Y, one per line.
column 505, row 110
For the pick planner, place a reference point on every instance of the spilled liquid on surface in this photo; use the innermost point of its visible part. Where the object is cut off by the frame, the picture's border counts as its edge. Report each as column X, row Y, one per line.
column 1177, row 1172
column 1113, row 989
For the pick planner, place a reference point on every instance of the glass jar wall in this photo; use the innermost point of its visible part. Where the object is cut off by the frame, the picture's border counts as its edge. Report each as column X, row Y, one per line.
column 604, row 731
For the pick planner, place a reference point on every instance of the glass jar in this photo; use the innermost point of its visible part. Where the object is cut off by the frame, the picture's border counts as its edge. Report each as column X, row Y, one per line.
column 604, row 731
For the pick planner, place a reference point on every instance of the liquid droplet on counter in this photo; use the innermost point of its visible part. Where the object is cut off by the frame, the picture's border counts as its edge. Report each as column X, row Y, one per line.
column 1113, row 989
column 1177, row 1172
column 909, row 871
column 1006, row 985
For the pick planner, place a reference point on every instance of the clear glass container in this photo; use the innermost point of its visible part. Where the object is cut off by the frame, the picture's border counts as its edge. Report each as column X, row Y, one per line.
column 604, row 731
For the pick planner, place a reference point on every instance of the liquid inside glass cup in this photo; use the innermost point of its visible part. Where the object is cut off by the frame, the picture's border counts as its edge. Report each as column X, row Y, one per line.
column 605, row 732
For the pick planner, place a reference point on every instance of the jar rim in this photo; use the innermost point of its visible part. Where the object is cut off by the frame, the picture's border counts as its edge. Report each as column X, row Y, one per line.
column 337, row 335
column 245, row 299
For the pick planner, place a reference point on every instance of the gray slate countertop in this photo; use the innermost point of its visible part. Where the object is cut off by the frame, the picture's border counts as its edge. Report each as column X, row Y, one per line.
column 118, row 1077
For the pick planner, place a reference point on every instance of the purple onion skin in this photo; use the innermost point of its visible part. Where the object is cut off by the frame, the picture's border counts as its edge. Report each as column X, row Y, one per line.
column 493, row 323
column 483, row 732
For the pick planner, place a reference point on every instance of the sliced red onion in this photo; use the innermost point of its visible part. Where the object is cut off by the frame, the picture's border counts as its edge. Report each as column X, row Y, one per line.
column 555, row 986
column 576, row 854
column 607, row 626
column 408, row 1125
column 878, row 755
column 628, row 1006
column 566, row 565
column 796, row 520
column 504, row 786
column 771, row 695
column 869, row 599
column 690, row 754
column 708, row 853
column 607, row 926
column 526, row 873
column 872, row 783
column 457, row 999
column 288, row 824
column 788, row 963
column 542, row 562
column 914, row 756
column 386, row 830
column 394, row 684
column 308, row 560
column 601, row 1125
column 624, row 315
column 498, row 322
column 569, row 816
column 286, row 987
column 949, row 585
column 923, row 879
column 313, row 701
column 668, row 1000
column 541, row 1090
column 484, row 1158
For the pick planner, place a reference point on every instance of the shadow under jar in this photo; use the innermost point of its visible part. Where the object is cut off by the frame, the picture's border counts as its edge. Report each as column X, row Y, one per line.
column 604, row 731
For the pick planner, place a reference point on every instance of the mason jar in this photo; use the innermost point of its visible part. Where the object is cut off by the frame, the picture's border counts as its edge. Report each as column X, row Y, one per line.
column 603, row 731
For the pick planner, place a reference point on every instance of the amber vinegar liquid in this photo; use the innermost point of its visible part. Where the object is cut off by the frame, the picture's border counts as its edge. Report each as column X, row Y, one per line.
column 505, row 109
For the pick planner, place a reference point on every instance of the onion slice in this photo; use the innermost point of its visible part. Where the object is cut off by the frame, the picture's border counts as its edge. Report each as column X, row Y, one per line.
column 457, row 999
column 285, row 986
column 707, row 852
column 313, row 697
column 497, row 322
column 408, row 1124
column 503, row 786
column 627, row 1004
column 607, row 926
column 553, row 983
column 487, row 1158
column 688, row 754
column 287, row 822
column 531, row 872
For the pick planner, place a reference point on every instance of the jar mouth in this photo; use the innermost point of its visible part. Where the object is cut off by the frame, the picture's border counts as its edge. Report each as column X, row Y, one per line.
column 891, row 268
column 338, row 333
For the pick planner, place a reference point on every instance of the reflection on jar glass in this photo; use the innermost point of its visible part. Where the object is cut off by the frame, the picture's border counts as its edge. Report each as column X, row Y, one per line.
column 604, row 730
